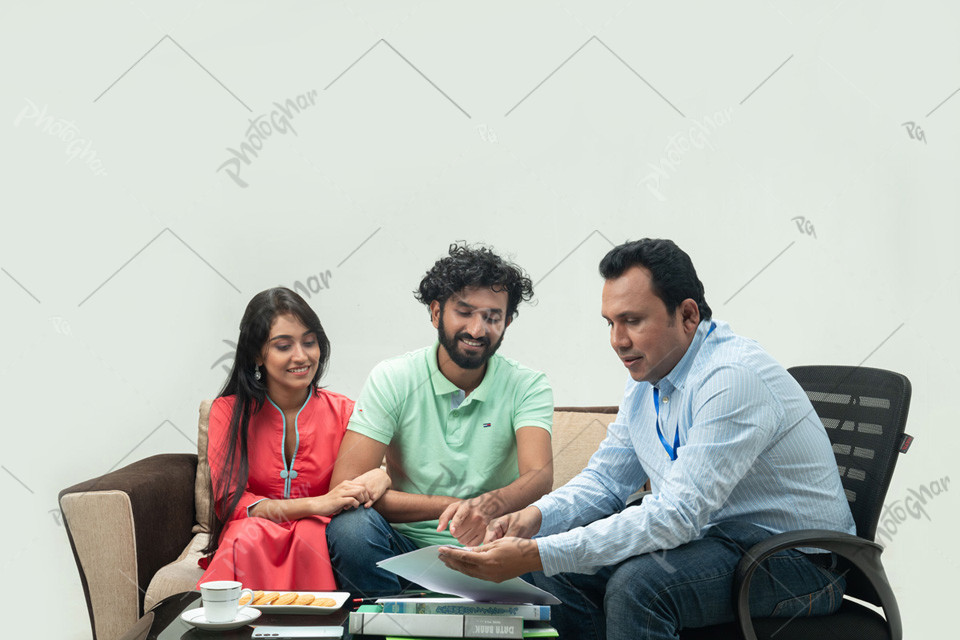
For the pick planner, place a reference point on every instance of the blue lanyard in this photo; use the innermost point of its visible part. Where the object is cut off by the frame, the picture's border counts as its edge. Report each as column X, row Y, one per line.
column 672, row 451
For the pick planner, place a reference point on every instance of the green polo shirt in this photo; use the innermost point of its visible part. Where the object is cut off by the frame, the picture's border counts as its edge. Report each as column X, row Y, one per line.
column 440, row 443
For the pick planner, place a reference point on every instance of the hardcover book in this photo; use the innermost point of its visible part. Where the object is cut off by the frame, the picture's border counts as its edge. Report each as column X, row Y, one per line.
column 462, row 606
column 371, row 620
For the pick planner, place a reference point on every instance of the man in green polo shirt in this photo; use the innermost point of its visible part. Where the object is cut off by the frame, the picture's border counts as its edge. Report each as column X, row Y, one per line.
column 465, row 431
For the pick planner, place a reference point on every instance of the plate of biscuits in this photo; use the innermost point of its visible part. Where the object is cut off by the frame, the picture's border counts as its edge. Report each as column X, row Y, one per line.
column 299, row 602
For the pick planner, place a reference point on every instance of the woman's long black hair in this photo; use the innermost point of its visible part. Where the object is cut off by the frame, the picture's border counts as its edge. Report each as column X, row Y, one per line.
column 251, row 393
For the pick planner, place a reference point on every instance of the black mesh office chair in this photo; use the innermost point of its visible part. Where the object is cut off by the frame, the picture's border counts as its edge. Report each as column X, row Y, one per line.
column 864, row 412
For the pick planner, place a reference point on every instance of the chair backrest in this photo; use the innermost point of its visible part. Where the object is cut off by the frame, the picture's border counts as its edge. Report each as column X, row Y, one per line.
column 864, row 412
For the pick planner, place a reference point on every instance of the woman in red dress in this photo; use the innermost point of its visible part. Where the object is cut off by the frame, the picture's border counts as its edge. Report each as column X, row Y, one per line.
column 273, row 439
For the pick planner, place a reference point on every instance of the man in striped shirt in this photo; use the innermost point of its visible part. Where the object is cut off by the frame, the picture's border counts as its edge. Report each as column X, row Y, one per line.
column 734, row 453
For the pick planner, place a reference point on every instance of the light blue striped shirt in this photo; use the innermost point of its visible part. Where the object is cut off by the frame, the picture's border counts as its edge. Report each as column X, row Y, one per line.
column 751, row 449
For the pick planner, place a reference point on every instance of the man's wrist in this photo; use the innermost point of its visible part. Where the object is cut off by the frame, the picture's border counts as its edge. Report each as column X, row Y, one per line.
column 530, row 555
column 534, row 520
column 491, row 504
column 546, row 524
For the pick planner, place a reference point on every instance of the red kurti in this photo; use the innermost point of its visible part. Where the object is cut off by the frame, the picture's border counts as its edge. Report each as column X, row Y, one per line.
column 260, row 553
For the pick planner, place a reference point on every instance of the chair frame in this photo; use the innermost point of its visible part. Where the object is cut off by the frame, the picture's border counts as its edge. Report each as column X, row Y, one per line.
column 860, row 552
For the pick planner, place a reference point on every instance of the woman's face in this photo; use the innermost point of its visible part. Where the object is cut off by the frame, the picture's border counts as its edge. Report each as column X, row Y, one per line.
column 290, row 356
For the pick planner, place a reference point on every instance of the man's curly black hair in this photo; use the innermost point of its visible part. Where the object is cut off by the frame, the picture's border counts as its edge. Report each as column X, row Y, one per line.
column 474, row 266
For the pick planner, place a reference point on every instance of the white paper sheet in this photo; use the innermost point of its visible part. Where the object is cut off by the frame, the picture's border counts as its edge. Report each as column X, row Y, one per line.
column 425, row 568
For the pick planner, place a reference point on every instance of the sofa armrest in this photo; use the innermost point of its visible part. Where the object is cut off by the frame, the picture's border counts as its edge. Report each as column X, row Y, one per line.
column 123, row 527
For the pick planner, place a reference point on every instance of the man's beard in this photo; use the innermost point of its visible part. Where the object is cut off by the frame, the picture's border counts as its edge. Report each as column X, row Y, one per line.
column 461, row 359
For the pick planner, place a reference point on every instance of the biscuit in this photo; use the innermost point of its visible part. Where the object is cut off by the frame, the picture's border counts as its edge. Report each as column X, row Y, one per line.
column 305, row 599
column 286, row 598
column 266, row 598
column 247, row 598
column 323, row 602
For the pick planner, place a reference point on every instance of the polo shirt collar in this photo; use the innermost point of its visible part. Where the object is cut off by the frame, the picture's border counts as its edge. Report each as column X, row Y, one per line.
column 483, row 389
column 442, row 385
column 678, row 375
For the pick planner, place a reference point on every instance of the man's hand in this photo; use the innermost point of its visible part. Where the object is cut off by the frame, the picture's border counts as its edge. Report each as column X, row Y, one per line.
column 468, row 519
column 376, row 482
column 520, row 524
column 498, row 561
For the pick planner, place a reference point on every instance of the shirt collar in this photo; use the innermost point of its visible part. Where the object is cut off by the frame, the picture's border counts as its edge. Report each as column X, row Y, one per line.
column 310, row 395
column 678, row 375
column 483, row 389
column 442, row 385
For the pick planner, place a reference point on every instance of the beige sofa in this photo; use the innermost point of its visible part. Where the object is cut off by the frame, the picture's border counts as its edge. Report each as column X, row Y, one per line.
column 137, row 532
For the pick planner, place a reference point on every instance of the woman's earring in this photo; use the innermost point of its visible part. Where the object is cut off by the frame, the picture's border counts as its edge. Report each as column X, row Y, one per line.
column 256, row 372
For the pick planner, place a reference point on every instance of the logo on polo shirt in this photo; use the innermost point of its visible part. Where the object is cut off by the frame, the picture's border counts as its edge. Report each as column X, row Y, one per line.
column 486, row 424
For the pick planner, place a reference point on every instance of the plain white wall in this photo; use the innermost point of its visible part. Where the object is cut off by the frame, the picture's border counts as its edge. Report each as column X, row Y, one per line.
column 547, row 129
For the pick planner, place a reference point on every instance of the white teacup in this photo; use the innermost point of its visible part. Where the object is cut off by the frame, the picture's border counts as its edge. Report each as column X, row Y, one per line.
column 221, row 600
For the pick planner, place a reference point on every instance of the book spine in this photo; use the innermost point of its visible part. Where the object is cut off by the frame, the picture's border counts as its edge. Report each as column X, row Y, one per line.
column 435, row 626
column 525, row 611
column 492, row 627
column 391, row 624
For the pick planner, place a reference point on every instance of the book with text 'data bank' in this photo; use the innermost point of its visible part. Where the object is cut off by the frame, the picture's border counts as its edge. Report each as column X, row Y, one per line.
column 463, row 606
column 530, row 630
column 371, row 620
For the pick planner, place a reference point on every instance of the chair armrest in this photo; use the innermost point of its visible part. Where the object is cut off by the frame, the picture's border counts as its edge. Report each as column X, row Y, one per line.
column 863, row 554
column 123, row 527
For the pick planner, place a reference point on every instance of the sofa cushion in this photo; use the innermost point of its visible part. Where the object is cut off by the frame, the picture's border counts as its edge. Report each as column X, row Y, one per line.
column 202, row 487
column 180, row 575
column 576, row 435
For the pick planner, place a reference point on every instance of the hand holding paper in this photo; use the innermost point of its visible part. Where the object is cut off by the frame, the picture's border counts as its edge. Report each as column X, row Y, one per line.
column 504, row 560
column 497, row 561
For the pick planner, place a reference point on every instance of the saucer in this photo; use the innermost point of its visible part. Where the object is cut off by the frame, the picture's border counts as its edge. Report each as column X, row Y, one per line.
column 195, row 617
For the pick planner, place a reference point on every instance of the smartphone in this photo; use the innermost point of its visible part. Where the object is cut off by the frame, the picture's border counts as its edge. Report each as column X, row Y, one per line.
column 279, row 633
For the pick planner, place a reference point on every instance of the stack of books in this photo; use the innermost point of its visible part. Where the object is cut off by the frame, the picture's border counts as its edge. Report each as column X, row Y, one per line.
column 408, row 618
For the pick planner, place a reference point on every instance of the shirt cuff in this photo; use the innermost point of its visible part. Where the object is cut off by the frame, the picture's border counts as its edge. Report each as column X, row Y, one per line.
column 546, row 426
column 549, row 515
column 369, row 431
column 558, row 552
column 252, row 505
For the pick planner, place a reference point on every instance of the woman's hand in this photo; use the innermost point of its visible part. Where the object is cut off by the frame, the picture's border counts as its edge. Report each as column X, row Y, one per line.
column 349, row 494
column 376, row 482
